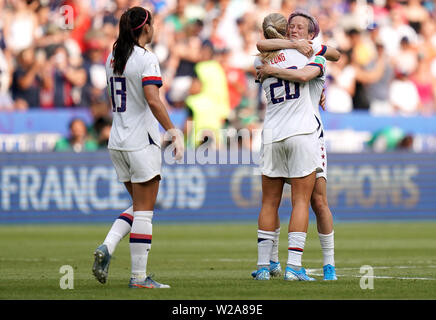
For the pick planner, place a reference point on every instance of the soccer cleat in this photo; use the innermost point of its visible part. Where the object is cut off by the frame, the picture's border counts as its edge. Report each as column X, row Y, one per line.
column 148, row 283
column 261, row 274
column 293, row 275
column 102, row 258
column 275, row 270
column 329, row 272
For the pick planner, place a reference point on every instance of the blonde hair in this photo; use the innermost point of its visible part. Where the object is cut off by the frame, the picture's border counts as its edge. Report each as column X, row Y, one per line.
column 274, row 27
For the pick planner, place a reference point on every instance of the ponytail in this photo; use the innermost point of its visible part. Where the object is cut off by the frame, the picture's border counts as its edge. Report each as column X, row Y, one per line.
column 131, row 24
column 274, row 27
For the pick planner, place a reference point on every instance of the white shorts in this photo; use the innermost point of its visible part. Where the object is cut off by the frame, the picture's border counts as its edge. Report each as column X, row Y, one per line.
column 137, row 166
column 322, row 158
column 293, row 157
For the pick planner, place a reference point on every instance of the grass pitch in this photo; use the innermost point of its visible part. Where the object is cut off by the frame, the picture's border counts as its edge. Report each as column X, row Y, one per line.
column 214, row 262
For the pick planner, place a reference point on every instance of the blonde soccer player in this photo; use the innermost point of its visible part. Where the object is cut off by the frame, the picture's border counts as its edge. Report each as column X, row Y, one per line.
column 319, row 201
column 289, row 149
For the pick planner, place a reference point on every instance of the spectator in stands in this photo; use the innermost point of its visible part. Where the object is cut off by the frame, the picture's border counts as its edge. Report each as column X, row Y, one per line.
column 20, row 25
column 102, row 122
column 27, row 79
column 403, row 95
column 406, row 58
column 341, row 85
column 386, row 139
column 102, row 127
column 397, row 28
column 186, row 53
column 360, row 58
column 378, row 86
column 425, row 84
column 6, row 102
column 95, row 87
column 416, row 14
column 78, row 140
column 407, row 29
column 176, row 19
column 211, row 105
column 61, row 77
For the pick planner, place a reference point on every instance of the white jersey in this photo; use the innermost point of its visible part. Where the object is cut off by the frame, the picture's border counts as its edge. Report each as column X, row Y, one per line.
column 134, row 125
column 289, row 110
column 316, row 86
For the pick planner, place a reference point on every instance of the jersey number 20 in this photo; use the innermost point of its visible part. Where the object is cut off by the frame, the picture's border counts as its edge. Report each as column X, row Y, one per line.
column 119, row 92
column 288, row 94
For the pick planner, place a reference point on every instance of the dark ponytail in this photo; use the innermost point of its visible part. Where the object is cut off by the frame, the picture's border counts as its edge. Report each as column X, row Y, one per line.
column 131, row 24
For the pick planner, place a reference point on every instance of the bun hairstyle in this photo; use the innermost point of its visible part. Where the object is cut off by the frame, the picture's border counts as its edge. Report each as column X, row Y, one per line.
column 131, row 24
column 313, row 23
column 274, row 26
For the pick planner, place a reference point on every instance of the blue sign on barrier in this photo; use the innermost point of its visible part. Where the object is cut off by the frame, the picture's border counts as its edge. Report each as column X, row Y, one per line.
column 71, row 187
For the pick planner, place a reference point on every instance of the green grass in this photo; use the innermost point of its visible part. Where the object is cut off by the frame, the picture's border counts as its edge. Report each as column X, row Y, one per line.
column 214, row 261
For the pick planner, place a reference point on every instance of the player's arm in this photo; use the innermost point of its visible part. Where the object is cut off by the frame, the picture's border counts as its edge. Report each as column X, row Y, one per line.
column 151, row 93
column 303, row 46
column 305, row 74
column 370, row 76
column 329, row 53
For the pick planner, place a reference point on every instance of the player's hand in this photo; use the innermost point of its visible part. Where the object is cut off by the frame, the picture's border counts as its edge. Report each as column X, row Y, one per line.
column 263, row 72
column 304, row 47
column 179, row 145
column 322, row 100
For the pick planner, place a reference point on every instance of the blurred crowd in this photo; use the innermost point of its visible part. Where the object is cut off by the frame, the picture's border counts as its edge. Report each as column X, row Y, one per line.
column 52, row 55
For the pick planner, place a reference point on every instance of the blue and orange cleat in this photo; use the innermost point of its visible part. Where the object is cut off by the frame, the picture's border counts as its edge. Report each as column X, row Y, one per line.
column 148, row 283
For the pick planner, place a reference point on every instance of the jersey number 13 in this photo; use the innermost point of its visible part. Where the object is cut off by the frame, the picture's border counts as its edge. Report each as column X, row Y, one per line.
column 121, row 91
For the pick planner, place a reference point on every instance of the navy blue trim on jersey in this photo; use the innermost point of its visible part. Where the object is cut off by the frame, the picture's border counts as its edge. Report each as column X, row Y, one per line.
column 150, row 140
column 319, row 122
column 319, row 66
column 322, row 51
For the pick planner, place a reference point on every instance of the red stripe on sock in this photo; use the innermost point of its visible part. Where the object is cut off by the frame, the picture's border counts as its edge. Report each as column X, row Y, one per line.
column 128, row 216
column 140, row 236
column 296, row 249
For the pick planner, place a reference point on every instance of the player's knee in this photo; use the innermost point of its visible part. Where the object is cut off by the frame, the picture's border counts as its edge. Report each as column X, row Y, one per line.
column 319, row 203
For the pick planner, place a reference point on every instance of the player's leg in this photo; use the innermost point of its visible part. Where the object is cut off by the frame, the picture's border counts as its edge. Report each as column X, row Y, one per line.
column 120, row 228
column 145, row 168
column 301, row 192
column 324, row 221
column 103, row 254
column 144, row 198
column 275, row 269
column 272, row 189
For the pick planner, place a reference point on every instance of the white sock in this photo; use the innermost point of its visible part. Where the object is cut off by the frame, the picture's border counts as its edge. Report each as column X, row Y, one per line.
column 275, row 248
column 296, row 242
column 120, row 228
column 140, row 243
column 265, row 241
column 328, row 248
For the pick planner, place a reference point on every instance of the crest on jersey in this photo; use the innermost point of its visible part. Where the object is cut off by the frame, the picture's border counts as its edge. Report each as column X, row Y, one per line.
column 154, row 68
